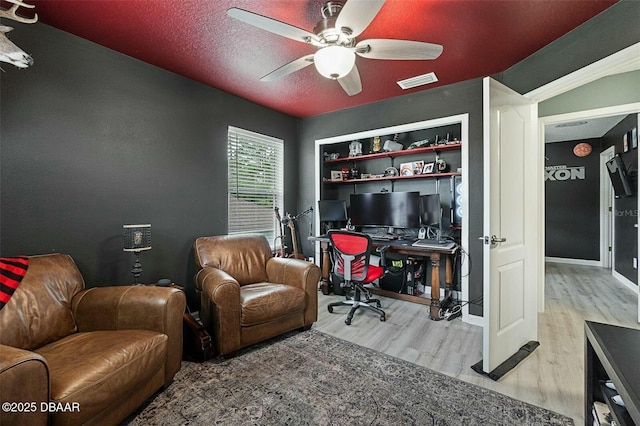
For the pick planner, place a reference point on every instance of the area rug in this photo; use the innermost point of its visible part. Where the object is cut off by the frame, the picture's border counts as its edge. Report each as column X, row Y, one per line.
column 310, row 378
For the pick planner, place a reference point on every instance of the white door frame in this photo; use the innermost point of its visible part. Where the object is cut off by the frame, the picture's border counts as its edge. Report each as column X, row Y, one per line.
column 625, row 60
column 463, row 120
column 576, row 116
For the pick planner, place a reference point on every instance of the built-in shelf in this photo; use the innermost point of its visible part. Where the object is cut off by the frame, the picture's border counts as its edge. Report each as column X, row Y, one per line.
column 392, row 154
column 389, row 178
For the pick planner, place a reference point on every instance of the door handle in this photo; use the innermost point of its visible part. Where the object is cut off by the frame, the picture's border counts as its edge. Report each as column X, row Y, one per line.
column 493, row 241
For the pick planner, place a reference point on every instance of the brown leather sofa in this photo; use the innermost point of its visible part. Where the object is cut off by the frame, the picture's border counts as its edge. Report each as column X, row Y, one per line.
column 80, row 356
column 247, row 295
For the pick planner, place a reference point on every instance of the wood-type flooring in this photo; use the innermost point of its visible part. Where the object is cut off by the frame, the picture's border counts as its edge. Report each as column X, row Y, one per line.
column 551, row 377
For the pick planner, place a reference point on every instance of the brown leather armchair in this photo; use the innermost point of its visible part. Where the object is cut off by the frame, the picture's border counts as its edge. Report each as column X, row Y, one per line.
column 84, row 356
column 247, row 295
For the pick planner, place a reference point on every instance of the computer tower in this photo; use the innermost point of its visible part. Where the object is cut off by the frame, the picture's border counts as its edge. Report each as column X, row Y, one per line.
column 399, row 275
column 456, row 200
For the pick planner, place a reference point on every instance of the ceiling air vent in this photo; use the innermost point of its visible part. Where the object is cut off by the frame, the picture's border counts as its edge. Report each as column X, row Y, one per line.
column 418, row 80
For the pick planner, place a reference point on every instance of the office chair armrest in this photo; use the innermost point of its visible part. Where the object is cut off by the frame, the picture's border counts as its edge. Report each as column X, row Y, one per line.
column 382, row 250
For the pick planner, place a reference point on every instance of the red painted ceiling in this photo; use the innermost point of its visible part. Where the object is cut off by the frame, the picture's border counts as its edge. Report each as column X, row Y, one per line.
column 198, row 40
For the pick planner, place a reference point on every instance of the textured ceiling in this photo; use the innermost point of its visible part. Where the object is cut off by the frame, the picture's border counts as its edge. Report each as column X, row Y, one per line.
column 198, row 40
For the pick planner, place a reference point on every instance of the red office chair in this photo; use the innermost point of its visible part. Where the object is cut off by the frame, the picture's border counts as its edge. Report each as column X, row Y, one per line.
column 351, row 263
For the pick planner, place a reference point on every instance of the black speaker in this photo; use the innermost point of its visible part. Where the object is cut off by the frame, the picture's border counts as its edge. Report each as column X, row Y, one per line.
column 456, row 200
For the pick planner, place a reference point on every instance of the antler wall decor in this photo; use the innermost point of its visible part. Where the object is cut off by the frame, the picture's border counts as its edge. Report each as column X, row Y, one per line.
column 9, row 52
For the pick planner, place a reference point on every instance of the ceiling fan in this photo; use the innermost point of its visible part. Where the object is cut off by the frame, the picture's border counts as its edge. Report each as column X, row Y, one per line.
column 335, row 37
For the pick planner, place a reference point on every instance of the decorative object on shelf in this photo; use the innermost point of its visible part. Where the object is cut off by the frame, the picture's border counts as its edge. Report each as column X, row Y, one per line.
column 355, row 173
column 419, row 144
column 376, row 145
column 441, row 165
column 634, row 138
column 417, row 167
column 336, row 175
column 406, row 169
column 391, row 171
column 355, row 149
column 428, row 168
column 625, row 142
column 345, row 173
column 393, row 145
column 136, row 238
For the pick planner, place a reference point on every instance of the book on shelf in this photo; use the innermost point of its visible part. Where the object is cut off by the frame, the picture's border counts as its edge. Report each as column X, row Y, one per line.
column 601, row 414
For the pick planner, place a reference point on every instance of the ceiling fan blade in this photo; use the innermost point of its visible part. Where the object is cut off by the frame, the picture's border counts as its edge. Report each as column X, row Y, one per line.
column 289, row 68
column 382, row 48
column 351, row 82
column 272, row 25
column 358, row 14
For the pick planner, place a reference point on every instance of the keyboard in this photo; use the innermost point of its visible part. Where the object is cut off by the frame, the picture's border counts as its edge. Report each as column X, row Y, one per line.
column 435, row 244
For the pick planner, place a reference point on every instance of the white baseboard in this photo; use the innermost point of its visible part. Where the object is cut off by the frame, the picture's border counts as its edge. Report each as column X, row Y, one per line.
column 624, row 280
column 473, row 320
column 569, row 261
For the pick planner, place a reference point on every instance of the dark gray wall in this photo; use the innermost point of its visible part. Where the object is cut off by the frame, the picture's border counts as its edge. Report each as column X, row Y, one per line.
column 572, row 205
column 465, row 97
column 92, row 139
column 625, row 209
column 609, row 32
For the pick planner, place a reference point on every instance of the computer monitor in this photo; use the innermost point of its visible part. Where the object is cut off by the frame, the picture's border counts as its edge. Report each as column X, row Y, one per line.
column 430, row 210
column 332, row 210
column 391, row 209
column 431, row 215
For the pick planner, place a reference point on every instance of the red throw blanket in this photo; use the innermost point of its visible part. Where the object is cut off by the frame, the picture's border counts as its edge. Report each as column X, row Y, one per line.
column 12, row 269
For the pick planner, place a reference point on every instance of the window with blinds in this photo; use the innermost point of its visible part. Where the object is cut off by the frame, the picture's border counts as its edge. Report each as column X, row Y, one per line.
column 256, row 183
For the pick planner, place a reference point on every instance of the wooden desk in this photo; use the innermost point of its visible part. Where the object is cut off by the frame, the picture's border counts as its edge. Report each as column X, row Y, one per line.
column 401, row 247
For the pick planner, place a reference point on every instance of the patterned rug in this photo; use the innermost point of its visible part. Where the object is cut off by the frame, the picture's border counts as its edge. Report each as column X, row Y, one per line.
column 310, row 378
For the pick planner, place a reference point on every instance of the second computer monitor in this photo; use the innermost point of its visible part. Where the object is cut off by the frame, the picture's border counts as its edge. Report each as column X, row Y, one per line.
column 430, row 210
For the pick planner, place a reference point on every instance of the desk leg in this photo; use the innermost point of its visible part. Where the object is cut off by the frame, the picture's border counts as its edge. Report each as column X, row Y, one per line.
column 448, row 276
column 325, row 283
column 434, row 313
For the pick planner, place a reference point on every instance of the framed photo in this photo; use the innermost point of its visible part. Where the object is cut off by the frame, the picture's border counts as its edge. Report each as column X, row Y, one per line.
column 634, row 138
column 625, row 142
column 406, row 169
column 336, row 175
column 417, row 167
column 428, row 168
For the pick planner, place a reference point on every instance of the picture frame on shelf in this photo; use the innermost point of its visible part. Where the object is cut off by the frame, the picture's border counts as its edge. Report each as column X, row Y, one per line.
column 428, row 168
column 417, row 167
column 634, row 138
column 336, row 175
column 625, row 142
column 406, row 169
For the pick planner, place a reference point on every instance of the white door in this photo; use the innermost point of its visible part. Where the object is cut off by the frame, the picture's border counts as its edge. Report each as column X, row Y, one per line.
column 513, row 177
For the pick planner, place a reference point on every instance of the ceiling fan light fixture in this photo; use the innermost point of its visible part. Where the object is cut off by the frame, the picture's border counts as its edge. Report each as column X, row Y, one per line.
column 334, row 62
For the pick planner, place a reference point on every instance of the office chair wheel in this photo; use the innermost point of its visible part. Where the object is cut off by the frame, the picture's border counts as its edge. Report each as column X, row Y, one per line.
column 382, row 318
column 330, row 309
column 347, row 321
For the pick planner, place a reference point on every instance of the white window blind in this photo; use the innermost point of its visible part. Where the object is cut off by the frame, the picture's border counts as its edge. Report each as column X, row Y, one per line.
column 256, row 182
